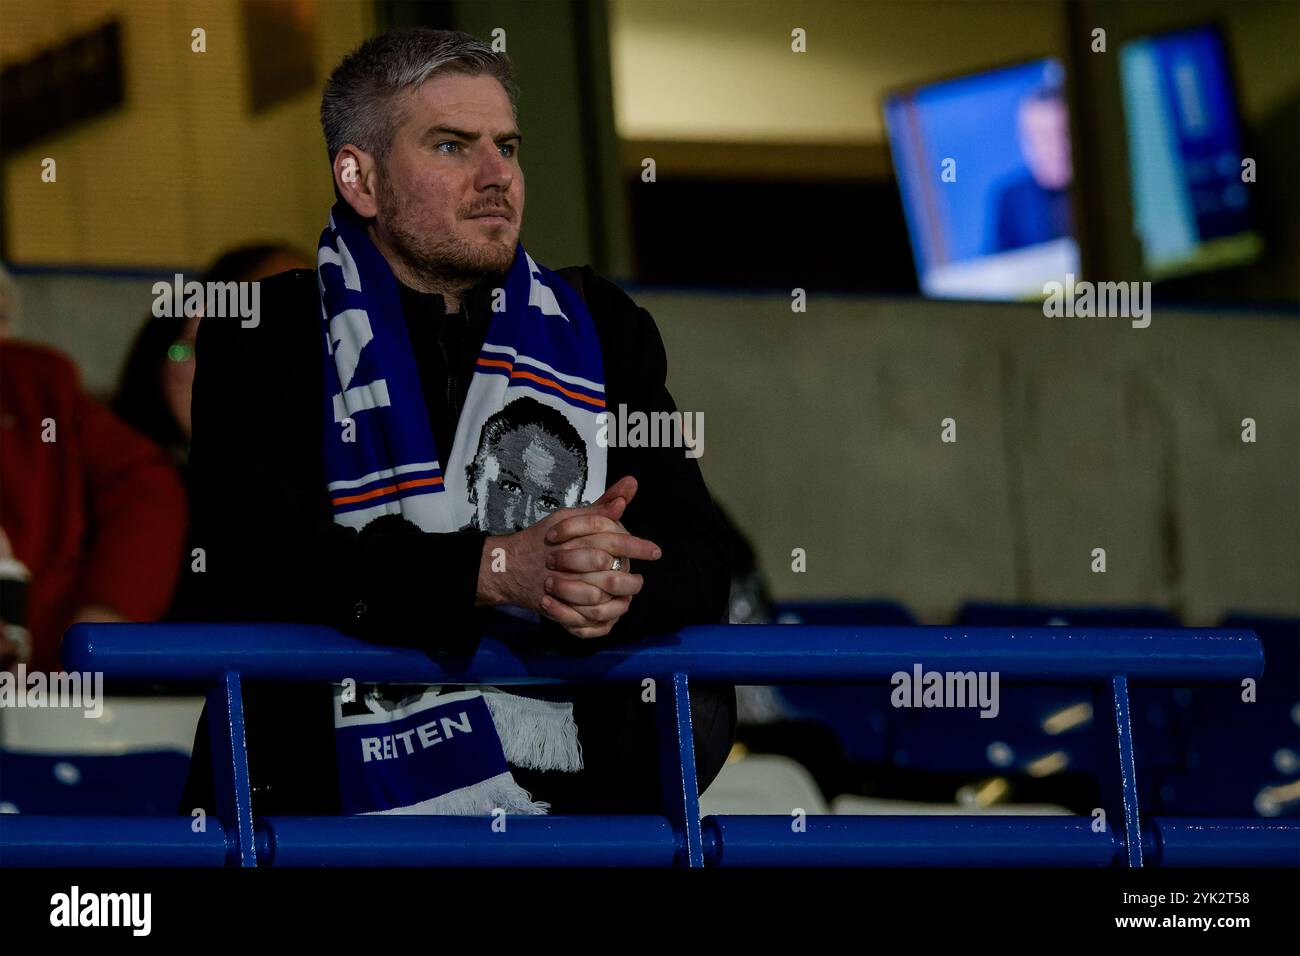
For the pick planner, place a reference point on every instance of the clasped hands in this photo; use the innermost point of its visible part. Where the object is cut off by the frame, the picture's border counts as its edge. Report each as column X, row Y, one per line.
column 563, row 567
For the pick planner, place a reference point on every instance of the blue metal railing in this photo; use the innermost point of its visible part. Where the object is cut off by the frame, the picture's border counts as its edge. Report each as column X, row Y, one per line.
column 226, row 654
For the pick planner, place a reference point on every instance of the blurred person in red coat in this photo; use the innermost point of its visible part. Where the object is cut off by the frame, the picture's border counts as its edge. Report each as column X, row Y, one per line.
column 92, row 513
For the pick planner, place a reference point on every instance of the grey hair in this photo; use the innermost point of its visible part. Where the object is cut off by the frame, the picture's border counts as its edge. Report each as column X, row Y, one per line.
column 360, row 105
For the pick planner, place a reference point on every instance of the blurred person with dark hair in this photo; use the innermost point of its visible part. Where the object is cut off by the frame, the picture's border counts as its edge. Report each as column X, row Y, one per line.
column 154, row 390
column 1035, row 206
column 92, row 514
column 370, row 457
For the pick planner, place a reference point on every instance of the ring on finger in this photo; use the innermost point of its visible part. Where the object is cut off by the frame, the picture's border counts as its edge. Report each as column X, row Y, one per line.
column 617, row 565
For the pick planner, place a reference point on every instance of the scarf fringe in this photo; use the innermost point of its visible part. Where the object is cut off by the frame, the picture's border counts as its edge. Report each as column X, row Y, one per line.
column 537, row 734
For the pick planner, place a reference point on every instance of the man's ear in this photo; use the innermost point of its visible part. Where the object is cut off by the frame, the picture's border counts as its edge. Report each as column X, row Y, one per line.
column 356, row 177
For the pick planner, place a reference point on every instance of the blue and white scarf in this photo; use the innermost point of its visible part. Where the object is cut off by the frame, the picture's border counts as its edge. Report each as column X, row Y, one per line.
column 525, row 445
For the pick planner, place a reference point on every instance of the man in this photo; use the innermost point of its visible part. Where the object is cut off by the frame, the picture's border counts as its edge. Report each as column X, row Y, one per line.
column 429, row 461
column 1035, row 206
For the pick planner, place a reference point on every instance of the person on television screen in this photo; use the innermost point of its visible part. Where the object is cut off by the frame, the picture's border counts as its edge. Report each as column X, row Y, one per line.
column 1034, row 206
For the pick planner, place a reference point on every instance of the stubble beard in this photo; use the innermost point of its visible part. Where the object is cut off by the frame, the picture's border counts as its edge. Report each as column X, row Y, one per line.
column 439, row 261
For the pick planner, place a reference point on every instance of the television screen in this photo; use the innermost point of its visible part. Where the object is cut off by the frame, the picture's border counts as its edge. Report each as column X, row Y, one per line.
column 984, row 167
column 1191, row 206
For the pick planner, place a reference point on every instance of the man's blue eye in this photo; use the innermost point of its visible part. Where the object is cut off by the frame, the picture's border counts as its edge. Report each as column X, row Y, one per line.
column 441, row 145
column 508, row 150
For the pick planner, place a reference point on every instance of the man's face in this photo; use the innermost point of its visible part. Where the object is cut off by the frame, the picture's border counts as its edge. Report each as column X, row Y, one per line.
column 1045, row 141
column 522, row 478
column 453, row 161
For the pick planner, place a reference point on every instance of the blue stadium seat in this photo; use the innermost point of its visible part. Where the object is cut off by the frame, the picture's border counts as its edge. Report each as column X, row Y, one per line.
column 148, row 783
column 1240, row 757
column 1042, row 730
column 844, row 613
column 1201, row 751
column 988, row 614
column 856, row 713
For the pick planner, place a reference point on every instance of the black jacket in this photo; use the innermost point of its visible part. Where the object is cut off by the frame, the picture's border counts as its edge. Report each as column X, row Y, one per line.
column 273, row 553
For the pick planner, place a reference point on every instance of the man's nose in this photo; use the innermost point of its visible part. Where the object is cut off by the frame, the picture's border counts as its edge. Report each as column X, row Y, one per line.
column 494, row 171
column 535, row 510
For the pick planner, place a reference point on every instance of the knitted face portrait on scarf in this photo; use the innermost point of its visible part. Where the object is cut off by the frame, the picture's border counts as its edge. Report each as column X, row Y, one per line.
column 530, row 462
